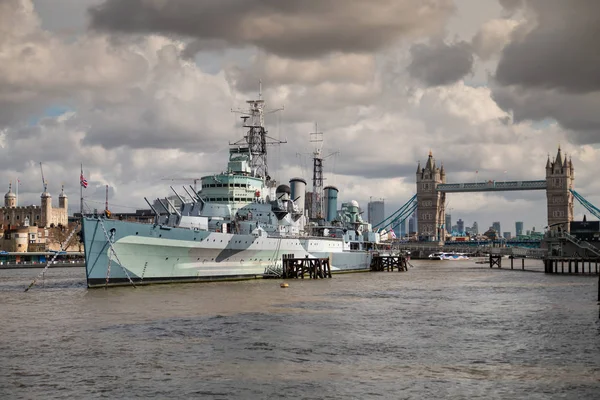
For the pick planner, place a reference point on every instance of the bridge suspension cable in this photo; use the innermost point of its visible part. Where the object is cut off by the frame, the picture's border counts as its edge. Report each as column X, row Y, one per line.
column 403, row 211
column 595, row 211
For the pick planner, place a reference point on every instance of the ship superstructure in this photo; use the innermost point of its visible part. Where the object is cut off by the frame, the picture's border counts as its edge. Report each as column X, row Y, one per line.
column 238, row 225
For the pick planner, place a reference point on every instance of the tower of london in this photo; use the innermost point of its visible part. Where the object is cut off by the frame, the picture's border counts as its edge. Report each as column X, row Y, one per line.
column 44, row 215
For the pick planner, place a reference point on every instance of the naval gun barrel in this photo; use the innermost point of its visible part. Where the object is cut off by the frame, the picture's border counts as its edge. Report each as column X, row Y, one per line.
column 156, row 215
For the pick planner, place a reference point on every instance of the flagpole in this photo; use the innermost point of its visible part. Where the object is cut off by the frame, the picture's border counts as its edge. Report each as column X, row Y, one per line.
column 17, row 195
column 81, row 192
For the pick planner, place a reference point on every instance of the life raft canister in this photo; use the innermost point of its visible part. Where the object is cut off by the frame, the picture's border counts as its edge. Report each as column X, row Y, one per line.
column 257, row 193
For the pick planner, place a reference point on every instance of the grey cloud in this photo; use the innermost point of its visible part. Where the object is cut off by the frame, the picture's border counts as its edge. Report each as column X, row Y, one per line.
column 576, row 112
column 297, row 29
column 559, row 52
column 439, row 64
column 511, row 5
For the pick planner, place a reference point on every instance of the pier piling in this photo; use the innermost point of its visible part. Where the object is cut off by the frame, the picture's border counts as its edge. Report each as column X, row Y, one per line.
column 389, row 263
column 315, row 268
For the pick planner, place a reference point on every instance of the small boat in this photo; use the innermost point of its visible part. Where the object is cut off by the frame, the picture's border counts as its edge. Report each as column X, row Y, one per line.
column 448, row 256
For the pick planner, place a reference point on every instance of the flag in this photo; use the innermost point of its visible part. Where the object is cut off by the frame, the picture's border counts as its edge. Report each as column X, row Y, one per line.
column 393, row 234
column 83, row 181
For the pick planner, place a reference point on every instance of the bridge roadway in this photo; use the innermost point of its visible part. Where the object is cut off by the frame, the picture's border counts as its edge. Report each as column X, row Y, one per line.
column 491, row 186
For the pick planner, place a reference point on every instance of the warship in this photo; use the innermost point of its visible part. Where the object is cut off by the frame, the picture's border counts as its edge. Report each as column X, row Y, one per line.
column 238, row 225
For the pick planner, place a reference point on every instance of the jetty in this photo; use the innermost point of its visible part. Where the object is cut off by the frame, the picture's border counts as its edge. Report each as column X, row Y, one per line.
column 314, row 268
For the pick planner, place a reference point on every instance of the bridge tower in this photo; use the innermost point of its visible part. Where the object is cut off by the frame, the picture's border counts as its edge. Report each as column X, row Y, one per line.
column 431, row 215
column 560, row 176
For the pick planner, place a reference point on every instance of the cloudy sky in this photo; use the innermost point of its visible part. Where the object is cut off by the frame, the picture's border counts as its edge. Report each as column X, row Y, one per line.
column 141, row 91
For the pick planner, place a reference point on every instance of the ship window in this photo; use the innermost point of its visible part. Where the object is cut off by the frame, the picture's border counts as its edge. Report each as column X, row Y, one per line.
column 17, row 216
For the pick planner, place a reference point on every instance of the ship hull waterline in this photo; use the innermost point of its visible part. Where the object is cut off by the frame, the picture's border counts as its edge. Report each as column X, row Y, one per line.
column 152, row 254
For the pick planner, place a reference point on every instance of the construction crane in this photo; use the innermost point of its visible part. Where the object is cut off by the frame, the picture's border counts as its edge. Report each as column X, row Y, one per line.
column 44, row 183
column 195, row 180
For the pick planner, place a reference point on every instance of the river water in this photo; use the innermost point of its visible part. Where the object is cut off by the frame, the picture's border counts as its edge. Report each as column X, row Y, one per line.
column 444, row 329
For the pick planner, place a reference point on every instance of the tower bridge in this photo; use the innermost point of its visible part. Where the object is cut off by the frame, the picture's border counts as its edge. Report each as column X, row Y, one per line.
column 432, row 189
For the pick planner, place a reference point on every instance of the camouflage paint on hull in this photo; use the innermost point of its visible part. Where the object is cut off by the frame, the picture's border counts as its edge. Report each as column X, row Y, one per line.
column 154, row 253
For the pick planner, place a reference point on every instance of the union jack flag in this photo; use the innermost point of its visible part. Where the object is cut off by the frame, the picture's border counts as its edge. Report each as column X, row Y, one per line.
column 83, row 181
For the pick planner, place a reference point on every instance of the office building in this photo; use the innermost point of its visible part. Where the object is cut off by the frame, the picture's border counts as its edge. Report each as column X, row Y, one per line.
column 460, row 226
column 376, row 212
column 496, row 227
column 518, row 228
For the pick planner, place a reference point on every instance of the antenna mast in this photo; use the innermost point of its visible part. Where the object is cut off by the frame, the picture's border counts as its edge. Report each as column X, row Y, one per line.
column 317, row 196
column 256, row 138
column 106, row 202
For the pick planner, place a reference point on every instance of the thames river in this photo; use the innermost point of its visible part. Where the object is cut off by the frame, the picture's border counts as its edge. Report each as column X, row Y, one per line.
column 444, row 329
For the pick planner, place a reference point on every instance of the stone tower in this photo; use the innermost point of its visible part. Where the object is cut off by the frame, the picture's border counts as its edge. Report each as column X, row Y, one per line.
column 559, row 180
column 46, row 209
column 430, row 203
column 63, row 201
column 10, row 198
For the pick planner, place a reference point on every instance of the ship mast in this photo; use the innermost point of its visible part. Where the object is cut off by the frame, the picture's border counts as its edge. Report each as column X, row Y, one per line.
column 316, row 137
column 317, row 200
column 256, row 138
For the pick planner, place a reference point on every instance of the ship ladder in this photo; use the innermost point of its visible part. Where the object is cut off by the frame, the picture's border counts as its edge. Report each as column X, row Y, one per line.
column 272, row 270
column 65, row 243
column 114, row 253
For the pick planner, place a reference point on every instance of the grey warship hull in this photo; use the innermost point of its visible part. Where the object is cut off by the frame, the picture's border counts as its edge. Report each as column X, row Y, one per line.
column 151, row 253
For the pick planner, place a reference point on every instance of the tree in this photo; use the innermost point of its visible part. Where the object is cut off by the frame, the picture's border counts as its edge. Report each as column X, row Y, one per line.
column 58, row 236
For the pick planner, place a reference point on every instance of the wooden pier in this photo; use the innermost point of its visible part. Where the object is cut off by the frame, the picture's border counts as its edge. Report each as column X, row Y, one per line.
column 496, row 259
column 315, row 268
column 571, row 265
column 389, row 263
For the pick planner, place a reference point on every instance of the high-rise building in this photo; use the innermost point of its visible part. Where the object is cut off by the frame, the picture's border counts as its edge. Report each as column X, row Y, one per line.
column 403, row 228
column 475, row 229
column 519, row 228
column 376, row 212
column 506, row 235
column 496, row 227
column 460, row 226
column 411, row 225
column 449, row 223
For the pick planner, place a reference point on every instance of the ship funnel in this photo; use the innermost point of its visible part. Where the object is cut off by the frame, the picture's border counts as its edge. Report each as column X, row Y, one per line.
column 283, row 192
column 331, row 195
column 298, row 188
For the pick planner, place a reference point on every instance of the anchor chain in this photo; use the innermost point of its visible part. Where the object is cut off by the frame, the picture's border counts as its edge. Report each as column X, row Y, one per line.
column 41, row 274
column 114, row 253
column 109, row 261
